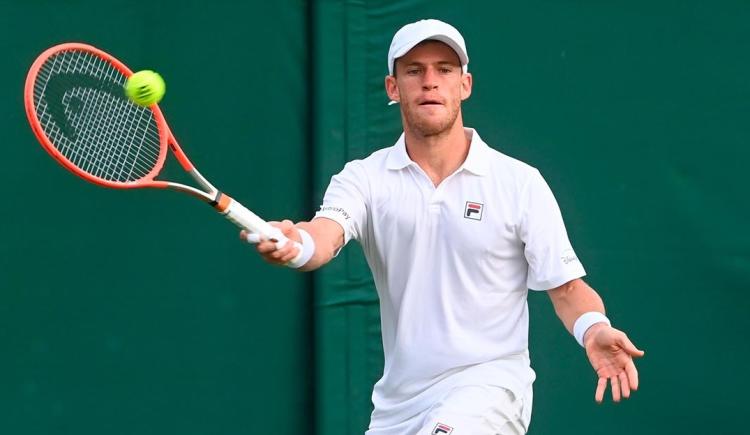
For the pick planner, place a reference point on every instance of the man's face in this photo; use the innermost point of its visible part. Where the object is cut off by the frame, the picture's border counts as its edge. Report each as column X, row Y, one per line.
column 430, row 85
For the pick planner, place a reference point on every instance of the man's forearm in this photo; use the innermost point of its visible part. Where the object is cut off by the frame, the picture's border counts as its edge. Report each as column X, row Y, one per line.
column 573, row 299
column 328, row 237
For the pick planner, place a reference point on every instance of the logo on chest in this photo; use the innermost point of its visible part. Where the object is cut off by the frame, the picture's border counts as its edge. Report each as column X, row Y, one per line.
column 473, row 210
column 442, row 429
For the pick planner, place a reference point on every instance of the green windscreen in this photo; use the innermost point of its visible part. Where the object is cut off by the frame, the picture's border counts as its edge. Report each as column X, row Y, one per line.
column 140, row 312
column 636, row 113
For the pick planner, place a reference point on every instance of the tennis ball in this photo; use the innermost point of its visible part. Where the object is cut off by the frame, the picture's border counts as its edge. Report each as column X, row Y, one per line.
column 145, row 88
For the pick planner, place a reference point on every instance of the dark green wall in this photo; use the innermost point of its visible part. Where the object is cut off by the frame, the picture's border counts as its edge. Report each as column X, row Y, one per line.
column 140, row 312
column 637, row 115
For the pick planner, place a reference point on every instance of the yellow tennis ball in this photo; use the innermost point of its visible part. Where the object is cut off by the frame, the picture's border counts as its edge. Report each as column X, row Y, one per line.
column 145, row 88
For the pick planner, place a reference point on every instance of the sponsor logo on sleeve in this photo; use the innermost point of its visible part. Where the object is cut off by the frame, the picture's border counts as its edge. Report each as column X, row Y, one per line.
column 337, row 210
column 568, row 256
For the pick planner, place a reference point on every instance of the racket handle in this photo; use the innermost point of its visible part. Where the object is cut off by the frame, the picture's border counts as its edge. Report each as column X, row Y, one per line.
column 245, row 219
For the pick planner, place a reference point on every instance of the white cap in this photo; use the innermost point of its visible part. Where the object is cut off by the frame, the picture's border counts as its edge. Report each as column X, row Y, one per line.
column 412, row 34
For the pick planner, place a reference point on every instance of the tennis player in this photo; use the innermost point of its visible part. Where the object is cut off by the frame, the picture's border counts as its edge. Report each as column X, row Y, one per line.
column 455, row 234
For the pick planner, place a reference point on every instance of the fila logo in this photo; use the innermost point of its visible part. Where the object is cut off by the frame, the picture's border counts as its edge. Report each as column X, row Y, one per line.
column 442, row 429
column 473, row 210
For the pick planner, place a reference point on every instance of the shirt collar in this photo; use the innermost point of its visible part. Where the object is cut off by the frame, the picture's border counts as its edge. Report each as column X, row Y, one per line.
column 476, row 161
column 398, row 158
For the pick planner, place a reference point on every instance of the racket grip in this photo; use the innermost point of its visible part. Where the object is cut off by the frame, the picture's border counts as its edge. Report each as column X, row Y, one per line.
column 239, row 215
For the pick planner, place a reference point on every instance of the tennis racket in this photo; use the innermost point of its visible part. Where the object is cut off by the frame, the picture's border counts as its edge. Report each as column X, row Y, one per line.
column 76, row 104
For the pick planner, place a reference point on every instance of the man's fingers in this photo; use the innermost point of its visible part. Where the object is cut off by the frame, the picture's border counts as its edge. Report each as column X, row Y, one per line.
column 615, row 384
column 272, row 250
column 293, row 251
column 632, row 373
column 265, row 247
column 601, row 386
column 281, row 253
column 630, row 348
column 271, row 253
column 624, row 385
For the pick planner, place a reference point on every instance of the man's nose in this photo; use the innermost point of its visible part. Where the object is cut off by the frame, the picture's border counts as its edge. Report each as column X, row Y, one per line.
column 429, row 81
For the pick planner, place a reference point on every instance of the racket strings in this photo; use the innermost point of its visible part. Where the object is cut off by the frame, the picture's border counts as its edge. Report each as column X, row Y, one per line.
column 83, row 111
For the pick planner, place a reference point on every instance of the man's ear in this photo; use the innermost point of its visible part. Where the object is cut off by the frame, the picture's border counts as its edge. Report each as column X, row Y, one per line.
column 466, row 82
column 391, row 89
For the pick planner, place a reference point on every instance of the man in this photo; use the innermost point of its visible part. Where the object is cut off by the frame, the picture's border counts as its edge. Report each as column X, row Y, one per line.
column 455, row 234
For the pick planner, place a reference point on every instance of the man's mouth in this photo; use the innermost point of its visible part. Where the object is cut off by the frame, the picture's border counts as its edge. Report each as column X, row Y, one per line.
column 430, row 103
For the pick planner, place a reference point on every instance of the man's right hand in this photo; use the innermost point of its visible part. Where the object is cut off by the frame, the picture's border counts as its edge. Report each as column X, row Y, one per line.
column 327, row 235
column 269, row 250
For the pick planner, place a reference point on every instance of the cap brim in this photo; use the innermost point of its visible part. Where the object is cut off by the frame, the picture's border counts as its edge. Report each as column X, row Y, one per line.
column 435, row 37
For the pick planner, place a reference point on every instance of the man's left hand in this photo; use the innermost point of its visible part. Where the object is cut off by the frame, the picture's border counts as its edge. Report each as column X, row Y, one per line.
column 611, row 354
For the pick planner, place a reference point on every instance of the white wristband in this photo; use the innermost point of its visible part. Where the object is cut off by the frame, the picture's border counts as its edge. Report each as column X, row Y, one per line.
column 586, row 321
column 308, row 249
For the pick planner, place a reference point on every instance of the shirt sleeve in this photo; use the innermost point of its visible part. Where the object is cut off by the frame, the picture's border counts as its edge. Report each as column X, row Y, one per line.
column 345, row 201
column 552, row 261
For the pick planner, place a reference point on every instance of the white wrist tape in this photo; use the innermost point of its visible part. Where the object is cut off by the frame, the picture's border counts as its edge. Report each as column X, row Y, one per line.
column 586, row 321
column 252, row 238
column 308, row 249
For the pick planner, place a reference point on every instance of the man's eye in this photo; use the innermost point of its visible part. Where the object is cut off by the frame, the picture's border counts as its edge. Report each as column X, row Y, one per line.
column 412, row 71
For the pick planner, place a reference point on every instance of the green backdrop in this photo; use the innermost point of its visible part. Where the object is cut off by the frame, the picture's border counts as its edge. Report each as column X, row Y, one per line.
column 637, row 115
column 140, row 313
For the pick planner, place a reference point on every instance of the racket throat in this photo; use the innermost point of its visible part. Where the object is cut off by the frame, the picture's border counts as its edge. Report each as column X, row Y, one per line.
column 221, row 202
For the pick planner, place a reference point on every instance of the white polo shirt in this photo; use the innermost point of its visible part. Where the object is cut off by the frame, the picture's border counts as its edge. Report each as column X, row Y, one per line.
column 452, row 265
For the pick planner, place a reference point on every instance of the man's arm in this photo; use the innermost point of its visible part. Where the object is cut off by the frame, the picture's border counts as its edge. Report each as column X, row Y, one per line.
column 609, row 350
column 572, row 299
column 329, row 238
column 327, row 235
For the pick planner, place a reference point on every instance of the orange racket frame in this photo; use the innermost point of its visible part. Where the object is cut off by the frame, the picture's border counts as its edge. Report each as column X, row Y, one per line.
column 224, row 204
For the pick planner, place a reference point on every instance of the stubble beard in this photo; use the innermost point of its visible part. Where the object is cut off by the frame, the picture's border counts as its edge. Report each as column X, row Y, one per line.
column 427, row 127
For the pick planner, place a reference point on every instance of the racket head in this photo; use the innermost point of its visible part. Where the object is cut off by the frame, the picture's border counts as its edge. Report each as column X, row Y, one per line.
column 78, row 110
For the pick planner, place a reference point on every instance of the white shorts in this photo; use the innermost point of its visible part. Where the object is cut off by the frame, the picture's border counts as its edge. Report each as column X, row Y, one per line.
column 469, row 410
